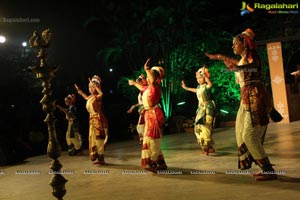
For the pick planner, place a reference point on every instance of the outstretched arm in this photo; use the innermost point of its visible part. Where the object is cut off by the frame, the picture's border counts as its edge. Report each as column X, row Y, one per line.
column 251, row 67
column 136, row 84
column 62, row 109
column 80, row 92
column 187, row 88
column 222, row 57
column 133, row 107
column 65, row 110
column 230, row 63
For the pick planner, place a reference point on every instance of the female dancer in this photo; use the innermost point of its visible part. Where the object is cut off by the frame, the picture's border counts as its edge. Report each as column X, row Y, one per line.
column 73, row 136
column 98, row 131
column 152, row 157
column 205, row 112
column 141, row 123
column 252, row 117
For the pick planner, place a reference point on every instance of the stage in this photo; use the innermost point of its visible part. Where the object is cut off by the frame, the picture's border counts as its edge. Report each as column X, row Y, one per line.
column 191, row 175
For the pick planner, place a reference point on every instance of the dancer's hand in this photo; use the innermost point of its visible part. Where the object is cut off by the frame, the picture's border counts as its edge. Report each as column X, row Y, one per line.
column 183, row 85
column 76, row 87
column 130, row 110
column 214, row 56
column 131, row 82
column 147, row 64
column 62, row 108
column 79, row 91
column 296, row 73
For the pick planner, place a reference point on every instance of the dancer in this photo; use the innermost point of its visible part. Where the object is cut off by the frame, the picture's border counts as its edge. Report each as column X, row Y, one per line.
column 152, row 157
column 252, row 117
column 73, row 136
column 141, row 122
column 205, row 112
column 98, row 130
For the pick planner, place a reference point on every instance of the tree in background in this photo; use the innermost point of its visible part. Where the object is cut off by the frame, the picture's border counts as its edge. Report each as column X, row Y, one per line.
column 182, row 63
column 172, row 37
column 175, row 35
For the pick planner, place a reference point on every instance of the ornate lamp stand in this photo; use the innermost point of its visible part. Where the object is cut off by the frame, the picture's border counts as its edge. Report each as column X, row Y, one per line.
column 45, row 73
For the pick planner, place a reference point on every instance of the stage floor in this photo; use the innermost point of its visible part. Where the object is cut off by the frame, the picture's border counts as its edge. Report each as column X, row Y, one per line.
column 191, row 175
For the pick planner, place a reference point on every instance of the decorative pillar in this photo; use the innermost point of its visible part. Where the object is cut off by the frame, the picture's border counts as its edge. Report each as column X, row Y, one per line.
column 277, row 80
column 45, row 73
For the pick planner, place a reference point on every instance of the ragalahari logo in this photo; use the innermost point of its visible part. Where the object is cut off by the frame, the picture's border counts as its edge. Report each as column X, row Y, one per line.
column 246, row 9
column 270, row 8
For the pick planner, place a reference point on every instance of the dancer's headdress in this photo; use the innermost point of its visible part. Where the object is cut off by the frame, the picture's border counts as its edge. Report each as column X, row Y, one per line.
column 203, row 71
column 72, row 97
column 96, row 79
column 159, row 73
column 141, row 77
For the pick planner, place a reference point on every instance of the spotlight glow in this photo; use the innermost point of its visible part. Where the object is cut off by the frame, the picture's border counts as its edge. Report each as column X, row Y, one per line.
column 224, row 111
column 180, row 103
column 2, row 39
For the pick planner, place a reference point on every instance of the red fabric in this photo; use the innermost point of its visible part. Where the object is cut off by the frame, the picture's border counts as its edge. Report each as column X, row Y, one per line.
column 145, row 162
column 154, row 117
column 155, row 120
column 154, row 94
column 144, row 88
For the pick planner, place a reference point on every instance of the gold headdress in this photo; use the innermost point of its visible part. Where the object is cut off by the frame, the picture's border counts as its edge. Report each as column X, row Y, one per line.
column 96, row 79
